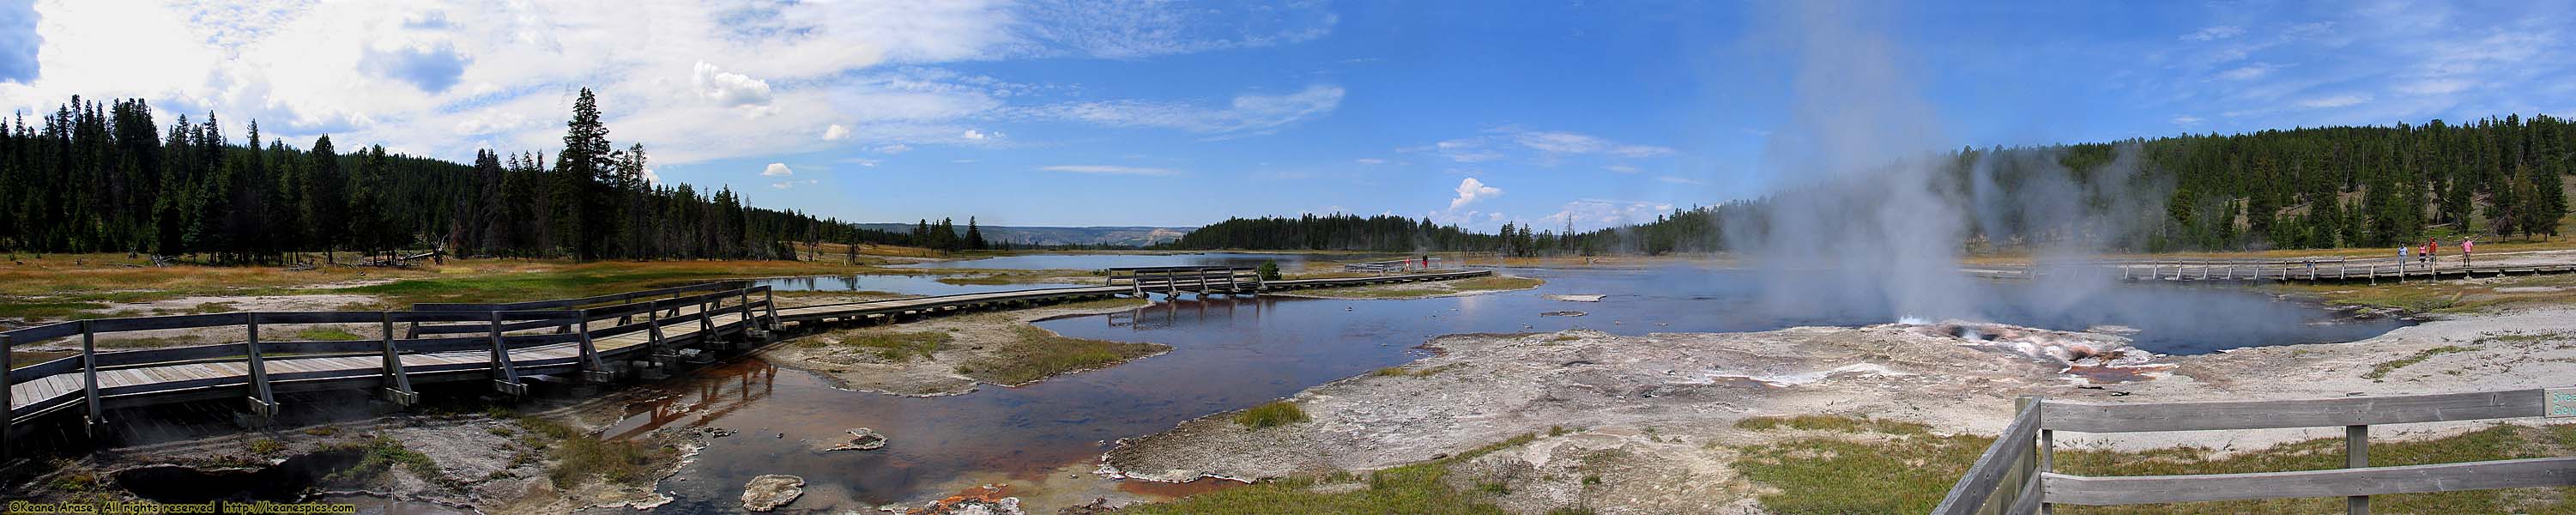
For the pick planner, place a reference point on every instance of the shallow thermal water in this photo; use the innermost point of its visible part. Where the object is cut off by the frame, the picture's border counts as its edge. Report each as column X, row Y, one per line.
column 1235, row 352
column 1100, row 261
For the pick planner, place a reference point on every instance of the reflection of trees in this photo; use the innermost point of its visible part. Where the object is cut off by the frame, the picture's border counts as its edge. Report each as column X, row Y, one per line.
column 723, row 391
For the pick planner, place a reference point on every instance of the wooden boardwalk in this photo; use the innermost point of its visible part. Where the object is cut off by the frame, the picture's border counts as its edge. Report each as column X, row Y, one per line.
column 2324, row 269
column 594, row 339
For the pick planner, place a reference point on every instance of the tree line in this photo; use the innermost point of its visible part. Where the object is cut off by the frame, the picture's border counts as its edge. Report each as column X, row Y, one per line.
column 105, row 177
column 2323, row 187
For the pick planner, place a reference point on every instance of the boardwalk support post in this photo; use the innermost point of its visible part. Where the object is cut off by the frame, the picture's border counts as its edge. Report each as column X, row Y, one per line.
column 769, row 301
column 397, row 383
column 263, row 404
column 505, row 375
column 591, row 369
column 8, row 419
column 2356, row 454
column 89, row 378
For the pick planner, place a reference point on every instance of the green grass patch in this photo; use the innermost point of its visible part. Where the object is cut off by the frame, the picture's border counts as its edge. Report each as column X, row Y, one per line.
column 382, row 455
column 1892, row 468
column 1419, row 488
column 900, row 346
column 326, row 334
column 1834, row 423
column 1496, row 282
column 1270, row 414
column 987, row 280
column 580, row 456
column 47, row 310
column 2381, row 370
column 1035, row 353
column 1407, row 372
column 266, row 446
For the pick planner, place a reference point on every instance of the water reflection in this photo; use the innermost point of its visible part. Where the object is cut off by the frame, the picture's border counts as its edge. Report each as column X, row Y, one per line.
column 923, row 285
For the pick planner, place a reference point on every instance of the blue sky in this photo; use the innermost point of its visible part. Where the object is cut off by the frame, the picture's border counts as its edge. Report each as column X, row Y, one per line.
column 1178, row 114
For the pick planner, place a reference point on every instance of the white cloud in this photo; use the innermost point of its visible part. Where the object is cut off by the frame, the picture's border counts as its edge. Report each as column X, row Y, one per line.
column 2186, row 120
column 2434, row 87
column 871, row 163
column 652, row 177
column 897, row 148
column 2214, row 33
column 1247, row 113
column 1621, row 168
column 1543, row 147
column 1369, row 161
column 777, row 169
column 793, row 184
column 1676, row 179
column 729, row 89
column 694, row 81
column 1591, row 214
column 2334, row 101
column 2248, row 72
column 836, row 133
column 976, row 135
column 1471, row 190
column 1110, row 170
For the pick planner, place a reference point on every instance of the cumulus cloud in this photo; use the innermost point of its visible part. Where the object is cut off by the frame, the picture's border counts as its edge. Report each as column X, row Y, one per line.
column 836, row 132
column 776, row 169
column 428, row 77
column 1110, row 170
column 1471, row 190
column 727, row 88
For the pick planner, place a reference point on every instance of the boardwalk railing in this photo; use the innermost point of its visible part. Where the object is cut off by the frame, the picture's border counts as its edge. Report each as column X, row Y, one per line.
column 494, row 342
column 2014, row 477
column 2335, row 268
column 1395, row 265
column 1176, row 279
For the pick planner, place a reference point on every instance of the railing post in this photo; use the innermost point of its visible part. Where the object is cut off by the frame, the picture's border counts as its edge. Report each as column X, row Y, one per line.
column 744, row 296
column 706, row 319
column 505, row 375
column 262, row 402
column 2356, row 454
column 89, row 378
column 769, row 301
column 591, row 368
column 397, row 383
column 8, row 399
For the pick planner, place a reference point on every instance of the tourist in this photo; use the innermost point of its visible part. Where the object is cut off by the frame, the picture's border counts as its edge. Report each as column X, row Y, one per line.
column 2467, row 247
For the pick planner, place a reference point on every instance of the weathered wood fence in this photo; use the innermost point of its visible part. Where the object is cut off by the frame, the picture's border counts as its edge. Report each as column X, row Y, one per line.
column 2014, row 476
column 2275, row 269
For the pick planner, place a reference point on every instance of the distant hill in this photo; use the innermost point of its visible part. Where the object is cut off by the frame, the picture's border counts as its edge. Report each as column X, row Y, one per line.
column 1133, row 236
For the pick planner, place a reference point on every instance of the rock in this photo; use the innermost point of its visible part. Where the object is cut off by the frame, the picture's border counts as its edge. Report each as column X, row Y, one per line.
column 1575, row 298
column 861, row 439
column 771, row 491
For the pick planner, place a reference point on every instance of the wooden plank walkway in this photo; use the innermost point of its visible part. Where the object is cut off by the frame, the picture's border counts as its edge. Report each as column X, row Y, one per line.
column 451, row 342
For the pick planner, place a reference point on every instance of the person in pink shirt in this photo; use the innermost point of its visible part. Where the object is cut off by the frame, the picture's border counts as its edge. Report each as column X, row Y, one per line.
column 2467, row 247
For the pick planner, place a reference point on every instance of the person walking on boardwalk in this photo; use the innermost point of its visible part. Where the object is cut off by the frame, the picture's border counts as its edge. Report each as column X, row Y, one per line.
column 2468, row 247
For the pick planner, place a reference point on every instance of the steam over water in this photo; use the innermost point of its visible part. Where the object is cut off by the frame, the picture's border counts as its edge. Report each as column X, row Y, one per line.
column 1230, row 353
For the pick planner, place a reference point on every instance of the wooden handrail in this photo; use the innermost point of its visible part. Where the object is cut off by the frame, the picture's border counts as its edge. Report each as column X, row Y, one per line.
column 2035, row 426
